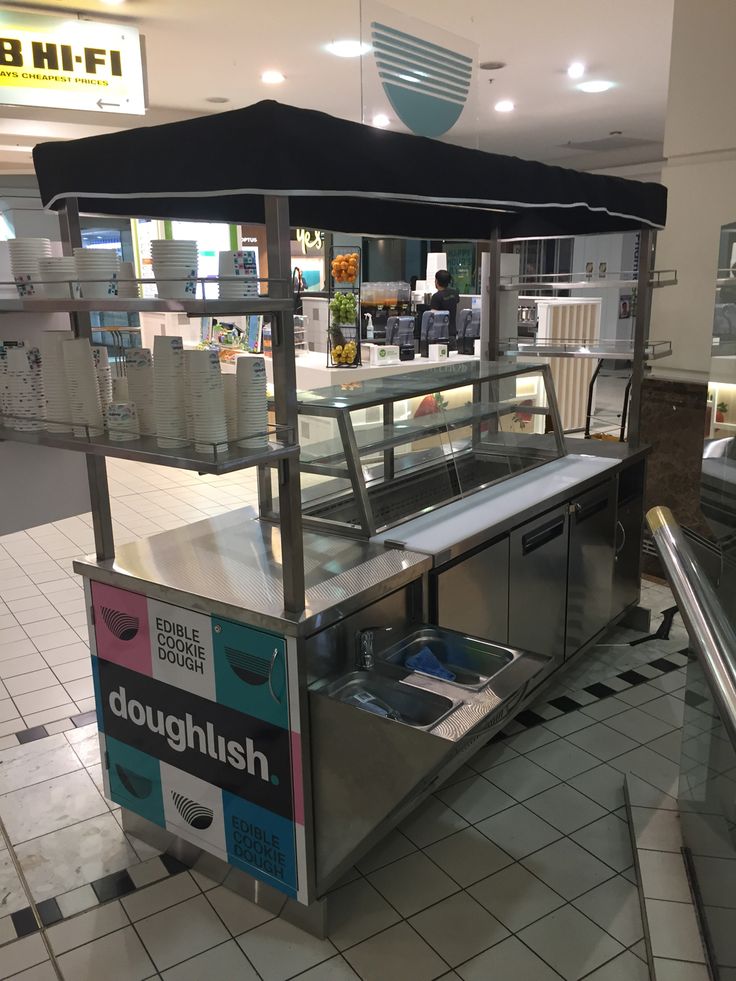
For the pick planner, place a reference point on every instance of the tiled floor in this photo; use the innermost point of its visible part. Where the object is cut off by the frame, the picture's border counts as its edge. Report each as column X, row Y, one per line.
column 520, row 868
column 45, row 676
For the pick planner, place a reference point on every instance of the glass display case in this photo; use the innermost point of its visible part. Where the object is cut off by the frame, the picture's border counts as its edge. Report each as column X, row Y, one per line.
column 375, row 453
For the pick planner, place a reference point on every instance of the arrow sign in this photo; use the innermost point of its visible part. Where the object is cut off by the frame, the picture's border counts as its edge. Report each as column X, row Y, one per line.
column 102, row 104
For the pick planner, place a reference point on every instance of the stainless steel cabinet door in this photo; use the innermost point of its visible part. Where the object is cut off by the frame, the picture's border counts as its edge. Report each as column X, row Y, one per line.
column 590, row 573
column 627, row 564
column 538, row 584
column 473, row 596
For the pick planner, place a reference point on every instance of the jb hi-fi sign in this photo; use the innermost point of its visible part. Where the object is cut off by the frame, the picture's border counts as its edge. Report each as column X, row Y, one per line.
column 70, row 64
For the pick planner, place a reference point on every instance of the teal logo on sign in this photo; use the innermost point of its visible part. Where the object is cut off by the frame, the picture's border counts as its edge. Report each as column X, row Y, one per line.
column 426, row 84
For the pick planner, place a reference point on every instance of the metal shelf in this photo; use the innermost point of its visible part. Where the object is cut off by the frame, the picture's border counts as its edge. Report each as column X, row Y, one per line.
column 193, row 308
column 563, row 281
column 609, row 351
column 145, row 449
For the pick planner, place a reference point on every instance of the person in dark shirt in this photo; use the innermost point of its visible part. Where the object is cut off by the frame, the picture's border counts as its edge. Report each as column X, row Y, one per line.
column 446, row 298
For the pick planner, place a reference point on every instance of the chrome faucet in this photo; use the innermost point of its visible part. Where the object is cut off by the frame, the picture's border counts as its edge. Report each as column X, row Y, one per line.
column 364, row 654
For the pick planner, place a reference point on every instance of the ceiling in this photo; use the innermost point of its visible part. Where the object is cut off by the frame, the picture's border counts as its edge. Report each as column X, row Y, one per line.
column 195, row 51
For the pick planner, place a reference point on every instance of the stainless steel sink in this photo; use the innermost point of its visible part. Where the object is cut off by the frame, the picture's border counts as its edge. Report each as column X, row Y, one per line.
column 377, row 693
column 474, row 662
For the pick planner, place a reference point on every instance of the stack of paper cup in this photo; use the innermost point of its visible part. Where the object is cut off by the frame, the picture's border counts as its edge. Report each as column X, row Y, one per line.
column 175, row 268
column 58, row 413
column 120, row 391
column 208, row 402
column 25, row 383
column 58, row 275
column 4, row 383
column 84, row 392
column 231, row 406
column 24, row 256
column 122, row 421
column 237, row 264
column 139, row 365
column 252, row 402
column 128, row 287
column 104, row 377
column 97, row 271
column 170, row 392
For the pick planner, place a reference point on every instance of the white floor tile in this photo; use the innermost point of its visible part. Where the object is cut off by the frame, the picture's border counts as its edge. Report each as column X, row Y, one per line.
column 37, row 701
column 625, row 967
column 220, row 964
column 475, row 799
column 609, row 839
column 237, row 913
column 22, row 954
column 30, row 660
column 563, row 759
column 118, row 957
column 50, row 715
column 521, row 778
column 614, row 906
column 32, row 681
column 567, row 868
column 458, row 928
column 602, row 741
column 570, row 943
column 398, row 952
column 667, row 970
column 169, row 944
column 673, row 931
column 565, row 808
column 663, row 876
column 35, row 762
column 516, row 897
column 412, row 883
column 45, row 807
column 73, row 670
column 604, row 785
column 431, row 821
column 518, row 831
column 358, row 911
column 77, row 900
column 80, row 930
column 510, row 960
column 279, row 950
column 655, row 829
column 468, row 856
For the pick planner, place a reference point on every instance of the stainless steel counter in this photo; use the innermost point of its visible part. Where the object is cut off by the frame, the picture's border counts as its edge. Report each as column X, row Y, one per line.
column 230, row 565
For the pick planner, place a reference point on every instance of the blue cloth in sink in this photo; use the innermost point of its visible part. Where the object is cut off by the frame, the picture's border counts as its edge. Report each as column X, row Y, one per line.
column 427, row 663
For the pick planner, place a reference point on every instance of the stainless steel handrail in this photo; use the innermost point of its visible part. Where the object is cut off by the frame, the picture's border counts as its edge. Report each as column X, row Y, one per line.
column 711, row 634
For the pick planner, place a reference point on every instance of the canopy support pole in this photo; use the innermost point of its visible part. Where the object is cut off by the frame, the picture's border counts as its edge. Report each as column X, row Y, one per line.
column 81, row 324
column 490, row 324
column 641, row 331
column 278, row 234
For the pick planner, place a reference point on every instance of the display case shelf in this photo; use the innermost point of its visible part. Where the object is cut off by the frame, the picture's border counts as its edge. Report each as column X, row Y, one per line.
column 565, row 281
column 376, row 438
column 145, row 449
column 607, row 350
column 193, row 308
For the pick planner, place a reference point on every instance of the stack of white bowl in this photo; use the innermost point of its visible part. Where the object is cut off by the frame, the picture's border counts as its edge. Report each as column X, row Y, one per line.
column 98, row 271
column 25, row 383
column 231, row 406
column 245, row 282
column 122, row 421
column 170, row 388
column 208, row 402
column 24, row 256
column 104, row 377
column 120, row 390
column 252, row 402
column 128, row 287
column 175, row 268
column 139, row 365
column 54, row 381
column 58, row 275
column 188, row 409
column 84, row 392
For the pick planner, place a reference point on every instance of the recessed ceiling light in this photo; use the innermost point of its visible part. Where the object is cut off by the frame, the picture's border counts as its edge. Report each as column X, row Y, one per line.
column 505, row 105
column 576, row 69
column 217, row 99
column 381, row 120
column 16, row 148
column 113, row 3
column 348, row 49
column 273, row 77
column 492, row 66
column 596, row 85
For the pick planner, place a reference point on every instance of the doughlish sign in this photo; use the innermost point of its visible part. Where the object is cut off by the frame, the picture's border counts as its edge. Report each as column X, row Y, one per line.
column 70, row 64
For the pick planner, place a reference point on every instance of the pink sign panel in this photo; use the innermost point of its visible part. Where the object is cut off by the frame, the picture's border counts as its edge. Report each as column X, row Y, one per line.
column 121, row 627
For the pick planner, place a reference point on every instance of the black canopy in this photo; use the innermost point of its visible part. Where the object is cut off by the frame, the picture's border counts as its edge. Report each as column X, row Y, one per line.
column 339, row 176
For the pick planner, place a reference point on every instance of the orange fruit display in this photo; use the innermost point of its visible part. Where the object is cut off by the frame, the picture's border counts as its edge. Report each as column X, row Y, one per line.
column 344, row 268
